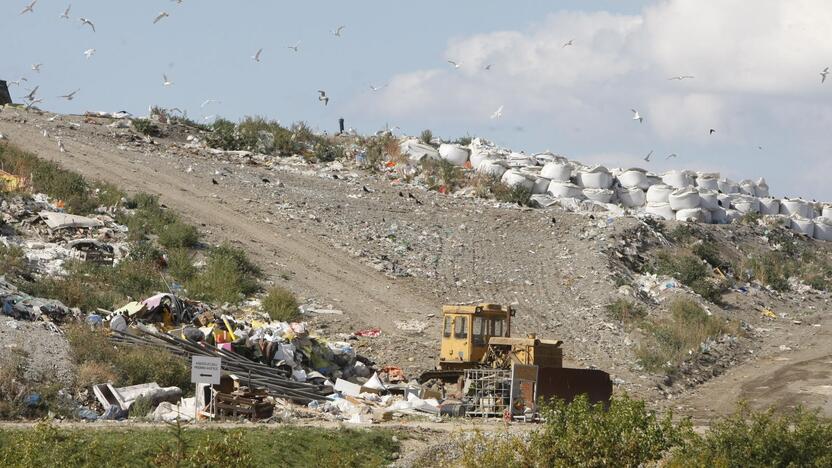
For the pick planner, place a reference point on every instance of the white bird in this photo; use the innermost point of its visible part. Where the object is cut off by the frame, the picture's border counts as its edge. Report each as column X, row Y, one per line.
column 294, row 47
column 89, row 53
column 61, row 147
column 85, row 21
column 378, row 88
column 29, row 8
column 637, row 116
column 36, row 67
column 3, row 137
column 31, row 95
column 209, row 101
column 17, row 83
column 456, row 65
column 337, row 32
column 45, row 133
column 823, row 75
column 160, row 16
column 647, row 158
column 681, row 77
column 256, row 57
column 498, row 113
column 568, row 43
column 32, row 103
column 52, row 119
column 323, row 97
column 671, row 155
column 177, row 1
column 66, row 12
column 209, row 117
column 69, row 96
column 165, row 81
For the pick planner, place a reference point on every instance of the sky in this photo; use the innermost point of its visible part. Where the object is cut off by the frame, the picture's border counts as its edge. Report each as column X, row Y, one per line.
column 756, row 68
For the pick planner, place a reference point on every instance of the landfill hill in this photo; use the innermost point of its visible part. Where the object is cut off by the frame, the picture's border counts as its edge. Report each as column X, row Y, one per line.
column 371, row 249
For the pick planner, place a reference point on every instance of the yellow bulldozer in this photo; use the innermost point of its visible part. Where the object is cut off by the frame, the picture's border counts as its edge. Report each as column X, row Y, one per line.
column 479, row 355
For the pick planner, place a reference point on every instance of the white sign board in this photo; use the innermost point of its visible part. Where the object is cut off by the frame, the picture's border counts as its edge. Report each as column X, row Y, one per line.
column 205, row 370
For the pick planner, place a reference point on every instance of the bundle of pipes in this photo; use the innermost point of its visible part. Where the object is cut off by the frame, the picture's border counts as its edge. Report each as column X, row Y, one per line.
column 275, row 382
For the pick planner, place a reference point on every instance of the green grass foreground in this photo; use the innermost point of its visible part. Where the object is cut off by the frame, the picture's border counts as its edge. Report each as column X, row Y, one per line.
column 47, row 445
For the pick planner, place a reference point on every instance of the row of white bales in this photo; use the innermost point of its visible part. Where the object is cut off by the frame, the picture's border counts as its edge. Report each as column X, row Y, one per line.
column 682, row 195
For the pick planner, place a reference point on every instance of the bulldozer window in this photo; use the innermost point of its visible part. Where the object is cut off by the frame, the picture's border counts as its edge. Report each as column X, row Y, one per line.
column 480, row 331
column 496, row 327
column 461, row 327
column 448, row 325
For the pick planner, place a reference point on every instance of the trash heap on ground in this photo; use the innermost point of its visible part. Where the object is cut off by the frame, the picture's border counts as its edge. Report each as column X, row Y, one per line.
column 683, row 195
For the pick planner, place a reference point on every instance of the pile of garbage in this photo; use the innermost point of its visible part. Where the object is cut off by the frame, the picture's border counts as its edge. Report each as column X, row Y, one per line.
column 21, row 306
column 682, row 195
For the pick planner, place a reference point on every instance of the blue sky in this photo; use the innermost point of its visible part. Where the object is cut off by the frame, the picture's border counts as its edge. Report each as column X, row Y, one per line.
column 756, row 82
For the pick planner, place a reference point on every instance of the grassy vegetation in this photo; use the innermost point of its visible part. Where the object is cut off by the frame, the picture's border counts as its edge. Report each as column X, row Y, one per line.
column 281, row 305
column 439, row 173
column 426, row 137
column 228, row 276
column 504, row 193
column 268, row 137
column 626, row 311
column 98, row 357
column 13, row 261
column 583, row 434
column 46, row 445
column 147, row 127
column 670, row 341
column 691, row 271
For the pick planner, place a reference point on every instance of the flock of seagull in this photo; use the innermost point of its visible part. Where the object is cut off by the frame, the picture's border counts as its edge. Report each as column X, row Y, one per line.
column 32, row 98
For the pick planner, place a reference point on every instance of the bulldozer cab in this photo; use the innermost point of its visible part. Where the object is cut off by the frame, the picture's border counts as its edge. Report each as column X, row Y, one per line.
column 467, row 329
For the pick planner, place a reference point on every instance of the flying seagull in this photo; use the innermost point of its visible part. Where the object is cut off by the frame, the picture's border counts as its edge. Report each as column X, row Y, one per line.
column 672, row 155
column 69, row 96
column 498, row 113
column 66, row 12
column 165, row 81
column 256, row 57
column 32, row 103
column 160, row 16
column 681, row 77
column 823, row 75
column 323, row 97
column 209, row 101
column 711, row 131
column 89, row 53
column 36, row 67
column 456, row 65
column 568, row 43
column 17, row 83
column 29, row 8
column 294, row 47
column 637, row 116
column 85, row 21
column 487, row 67
column 337, row 32
column 647, row 158
column 377, row 88
column 31, row 95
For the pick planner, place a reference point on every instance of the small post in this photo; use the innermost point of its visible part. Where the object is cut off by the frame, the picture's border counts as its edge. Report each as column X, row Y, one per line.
column 341, row 126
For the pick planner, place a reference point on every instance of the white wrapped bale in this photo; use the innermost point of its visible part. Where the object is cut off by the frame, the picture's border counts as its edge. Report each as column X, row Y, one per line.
column 794, row 207
column 658, row 193
column 719, row 216
column 697, row 215
column 516, row 160
column 826, row 212
column 769, row 206
column 416, row 150
column 595, row 177
column 746, row 204
column 747, row 187
column 708, row 199
column 454, row 154
column 493, row 168
column 732, row 215
column 761, row 188
column 802, row 225
column 515, row 178
column 541, row 185
column 726, row 185
column 677, row 179
column 634, row 178
column 684, row 199
column 707, row 182
column 631, row 197
column 561, row 189
column 598, row 195
column 557, row 170
column 724, row 199
column 823, row 229
column 660, row 210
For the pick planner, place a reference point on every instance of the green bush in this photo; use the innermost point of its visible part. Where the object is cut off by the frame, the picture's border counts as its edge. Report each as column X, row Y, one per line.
column 178, row 234
column 224, row 136
column 147, row 127
column 281, row 305
column 228, row 276
column 749, row 438
column 772, row 269
column 181, row 264
column 672, row 340
column 517, row 194
column 626, row 311
column 709, row 252
column 13, row 261
column 426, row 137
column 690, row 271
column 326, row 152
column 684, row 233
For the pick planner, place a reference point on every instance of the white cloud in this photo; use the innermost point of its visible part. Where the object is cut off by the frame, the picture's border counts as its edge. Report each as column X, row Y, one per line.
column 756, row 65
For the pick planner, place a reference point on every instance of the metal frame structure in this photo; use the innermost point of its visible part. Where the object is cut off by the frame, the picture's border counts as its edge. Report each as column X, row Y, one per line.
column 487, row 392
